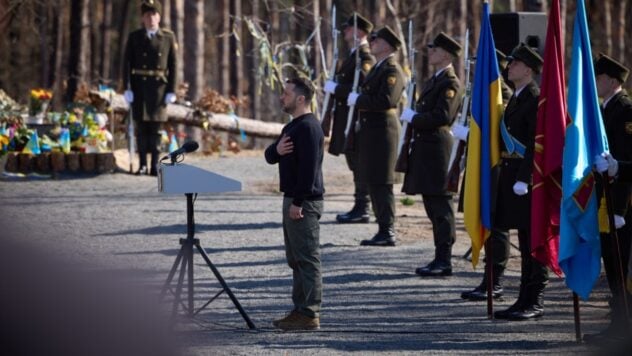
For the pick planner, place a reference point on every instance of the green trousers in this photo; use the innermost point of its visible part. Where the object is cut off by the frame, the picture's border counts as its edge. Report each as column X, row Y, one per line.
column 302, row 249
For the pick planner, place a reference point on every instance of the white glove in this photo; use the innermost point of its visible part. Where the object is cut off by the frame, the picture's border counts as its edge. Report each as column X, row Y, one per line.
column 407, row 115
column 459, row 131
column 613, row 166
column 619, row 221
column 601, row 164
column 352, row 98
column 170, row 98
column 330, row 87
column 520, row 188
column 129, row 96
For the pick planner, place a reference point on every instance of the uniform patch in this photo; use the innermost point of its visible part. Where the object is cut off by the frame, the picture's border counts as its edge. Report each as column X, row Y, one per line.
column 628, row 128
column 366, row 67
column 450, row 93
column 391, row 80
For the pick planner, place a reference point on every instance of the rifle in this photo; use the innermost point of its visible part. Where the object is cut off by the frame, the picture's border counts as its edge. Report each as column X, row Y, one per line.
column 326, row 114
column 356, row 75
column 457, row 161
column 404, row 140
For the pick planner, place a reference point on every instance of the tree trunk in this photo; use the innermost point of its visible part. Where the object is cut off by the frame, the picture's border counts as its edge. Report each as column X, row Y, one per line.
column 165, row 19
column 106, row 38
column 177, row 23
column 225, row 35
column 194, row 47
column 619, row 33
column 607, row 27
column 79, row 44
column 123, row 30
column 237, row 69
column 58, row 76
column 255, row 90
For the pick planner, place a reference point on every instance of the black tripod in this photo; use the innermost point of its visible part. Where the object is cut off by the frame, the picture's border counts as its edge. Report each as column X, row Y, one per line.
column 185, row 260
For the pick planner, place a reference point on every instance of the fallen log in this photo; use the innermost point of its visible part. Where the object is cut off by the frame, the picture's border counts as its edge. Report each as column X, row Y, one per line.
column 181, row 114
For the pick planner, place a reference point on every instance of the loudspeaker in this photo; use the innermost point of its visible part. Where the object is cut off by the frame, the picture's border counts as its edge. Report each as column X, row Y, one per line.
column 512, row 28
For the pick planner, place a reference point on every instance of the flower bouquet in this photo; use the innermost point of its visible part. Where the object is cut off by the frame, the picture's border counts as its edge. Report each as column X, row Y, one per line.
column 38, row 104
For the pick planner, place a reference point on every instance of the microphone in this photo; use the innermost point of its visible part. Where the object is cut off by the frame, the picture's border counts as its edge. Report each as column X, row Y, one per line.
column 186, row 148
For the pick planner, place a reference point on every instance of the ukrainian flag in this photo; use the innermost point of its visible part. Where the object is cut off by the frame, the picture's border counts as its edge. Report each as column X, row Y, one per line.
column 483, row 150
column 580, row 251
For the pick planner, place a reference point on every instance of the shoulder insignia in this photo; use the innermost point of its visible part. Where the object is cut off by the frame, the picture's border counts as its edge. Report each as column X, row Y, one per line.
column 450, row 93
column 391, row 80
column 628, row 128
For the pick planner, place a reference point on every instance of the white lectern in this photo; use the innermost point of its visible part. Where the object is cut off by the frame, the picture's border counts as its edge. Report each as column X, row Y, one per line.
column 190, row 180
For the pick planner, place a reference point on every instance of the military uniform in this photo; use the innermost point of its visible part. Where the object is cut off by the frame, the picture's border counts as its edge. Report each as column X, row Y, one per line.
column 347, row 145
column 150, row 68
column 617, row 119
column 426, row 153
column 513, row 211
column 429, row 155
column 377, row 134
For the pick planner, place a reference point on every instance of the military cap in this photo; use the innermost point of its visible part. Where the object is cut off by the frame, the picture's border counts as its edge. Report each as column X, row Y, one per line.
column 363, row 24
column 150, row 5
column 389, row 36
column 502, row 59
column 446, row 43
column 528, row 56
column 608, row 66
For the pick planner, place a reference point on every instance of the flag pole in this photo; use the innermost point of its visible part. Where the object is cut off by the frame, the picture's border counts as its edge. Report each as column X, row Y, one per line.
column 578, row 327
column 490, row 278
column 615, row 246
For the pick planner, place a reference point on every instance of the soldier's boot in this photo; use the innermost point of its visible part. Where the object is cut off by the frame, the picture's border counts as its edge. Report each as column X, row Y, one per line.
column 533, row 306
column 153, row 171
column 384, row 237
column 480, row 292
column 517, row 305
column 359, row 214
column 142, row 167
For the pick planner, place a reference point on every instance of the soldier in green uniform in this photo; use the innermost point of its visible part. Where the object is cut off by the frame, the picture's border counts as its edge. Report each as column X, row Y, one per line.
column 340, row 89
column 377, row 132
column 150, row 72
column 429, row 150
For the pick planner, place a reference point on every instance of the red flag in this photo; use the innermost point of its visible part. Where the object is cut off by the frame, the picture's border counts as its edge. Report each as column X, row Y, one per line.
column 549, row 145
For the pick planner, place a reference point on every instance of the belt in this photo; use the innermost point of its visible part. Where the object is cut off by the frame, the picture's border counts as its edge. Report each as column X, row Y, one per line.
column 505, row 154
column 149, row 72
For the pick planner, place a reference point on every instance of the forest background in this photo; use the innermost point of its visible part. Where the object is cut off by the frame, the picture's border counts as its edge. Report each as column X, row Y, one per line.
column 241, row 48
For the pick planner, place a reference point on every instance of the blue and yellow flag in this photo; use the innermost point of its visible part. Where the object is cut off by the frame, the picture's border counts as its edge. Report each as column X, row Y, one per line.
column 580, row 252
column 33, row 145
column 483, row 150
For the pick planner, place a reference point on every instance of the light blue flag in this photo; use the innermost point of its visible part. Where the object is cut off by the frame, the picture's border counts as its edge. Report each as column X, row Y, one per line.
column 64, row 140
column 580, row 251
column 173, row 143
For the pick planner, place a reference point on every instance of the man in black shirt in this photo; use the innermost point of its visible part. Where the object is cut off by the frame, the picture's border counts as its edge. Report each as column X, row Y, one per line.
column 299, row 153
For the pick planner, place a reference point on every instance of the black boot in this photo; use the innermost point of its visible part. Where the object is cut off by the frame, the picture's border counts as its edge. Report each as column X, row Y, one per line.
column 436, row 268
column 533, row 306
column 384, row 237
column 480, row 292
column 517, row 305
column 359, row 214
column 153, row 170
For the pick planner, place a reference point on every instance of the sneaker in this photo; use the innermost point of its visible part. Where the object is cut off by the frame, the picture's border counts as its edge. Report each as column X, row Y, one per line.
column 296, row 321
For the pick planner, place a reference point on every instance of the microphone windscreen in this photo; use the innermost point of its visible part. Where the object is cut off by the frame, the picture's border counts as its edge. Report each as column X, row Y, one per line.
column 190, row 146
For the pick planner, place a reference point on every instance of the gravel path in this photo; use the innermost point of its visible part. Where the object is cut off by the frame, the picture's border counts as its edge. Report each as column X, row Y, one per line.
column 373, row 302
